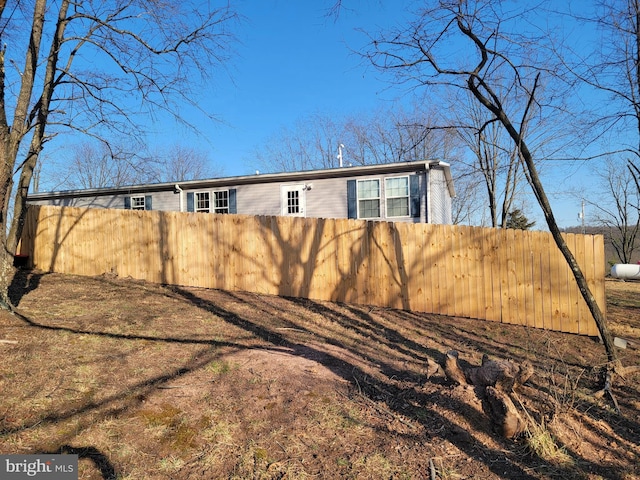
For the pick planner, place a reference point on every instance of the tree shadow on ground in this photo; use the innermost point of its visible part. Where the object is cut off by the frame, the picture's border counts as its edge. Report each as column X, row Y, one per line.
column 399, row 397
column 376, row 376
column 99, row 459
column 23, row 282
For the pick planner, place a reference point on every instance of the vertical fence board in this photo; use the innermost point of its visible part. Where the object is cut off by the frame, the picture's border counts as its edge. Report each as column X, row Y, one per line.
column 490, row 285
column 598, row 280
column 469, row 271
column 476, row 297
column 582, row 248
column 544, row 279
column 455, row 287
column 459, row 274
column 502, row 274
column 446, row 274
column 438, row 252
column 393, row 262
column 359, row 251
column 563, row 292
column 417, row 297
column 423, row 256
column 536, row 281
column 595, row 272
column 512, row 267
column 558, row 278
column 336, row 241
column 570, row 321
column 435, row 251
column 404, row 252
column 520, row 281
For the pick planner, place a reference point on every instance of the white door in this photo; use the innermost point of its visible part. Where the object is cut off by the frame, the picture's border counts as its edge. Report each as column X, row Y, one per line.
column 292, row 200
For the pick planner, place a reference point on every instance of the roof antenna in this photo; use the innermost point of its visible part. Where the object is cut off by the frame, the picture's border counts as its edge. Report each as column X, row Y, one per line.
column 340, row 147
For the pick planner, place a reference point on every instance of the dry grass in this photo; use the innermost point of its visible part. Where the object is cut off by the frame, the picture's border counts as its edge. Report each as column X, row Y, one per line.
column 152, row 382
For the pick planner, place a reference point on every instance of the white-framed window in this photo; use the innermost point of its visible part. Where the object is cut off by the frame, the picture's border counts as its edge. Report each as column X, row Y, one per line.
column 397, row 196
column 213, row 201
column 369, row 198
column 138, row 203
column 293, row 202
column 221, row 201
column 202, row 202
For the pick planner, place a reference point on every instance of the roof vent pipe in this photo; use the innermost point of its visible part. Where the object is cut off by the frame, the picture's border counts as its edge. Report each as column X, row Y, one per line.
column 178, row 190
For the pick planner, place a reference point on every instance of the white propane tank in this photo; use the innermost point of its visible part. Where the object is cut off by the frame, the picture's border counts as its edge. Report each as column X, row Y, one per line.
column 626, row 271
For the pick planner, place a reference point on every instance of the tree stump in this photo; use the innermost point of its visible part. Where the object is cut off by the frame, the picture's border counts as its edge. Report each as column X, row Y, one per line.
column 495, row 380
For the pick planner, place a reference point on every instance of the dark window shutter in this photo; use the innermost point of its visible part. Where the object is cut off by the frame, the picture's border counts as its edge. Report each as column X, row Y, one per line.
column 127, row 203
column 148, row 203
column 352, row 199
column 414, row 185
column 233, row 208
column 190, row 202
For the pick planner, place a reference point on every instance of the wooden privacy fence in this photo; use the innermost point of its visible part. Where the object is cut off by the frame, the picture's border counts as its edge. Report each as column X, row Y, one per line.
column 512, row 276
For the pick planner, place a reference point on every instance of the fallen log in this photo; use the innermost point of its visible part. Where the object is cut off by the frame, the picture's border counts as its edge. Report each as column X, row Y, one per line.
column 452, row 369
column 506, row 419
column 494, row 381
column 504, row 374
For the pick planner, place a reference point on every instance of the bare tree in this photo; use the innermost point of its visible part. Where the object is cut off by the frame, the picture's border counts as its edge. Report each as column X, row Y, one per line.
column 618, row 210
column 95, row 67
column 312, row 143
column 383, row 136
column 467, row 207
column 107, row 165
column 506, row 71
column 179, row 163
column 101, row 165
column 398, row 134
column 612, row 69
column 496, row 159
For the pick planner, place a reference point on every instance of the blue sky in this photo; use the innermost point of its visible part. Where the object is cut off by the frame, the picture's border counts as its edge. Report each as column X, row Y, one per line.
column 292, row 61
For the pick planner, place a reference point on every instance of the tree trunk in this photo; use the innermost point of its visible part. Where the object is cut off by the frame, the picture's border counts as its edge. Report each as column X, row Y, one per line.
column 7, row 272
column 475, row 84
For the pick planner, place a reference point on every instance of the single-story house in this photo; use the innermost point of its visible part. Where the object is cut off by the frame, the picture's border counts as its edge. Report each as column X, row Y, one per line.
column 405, row 191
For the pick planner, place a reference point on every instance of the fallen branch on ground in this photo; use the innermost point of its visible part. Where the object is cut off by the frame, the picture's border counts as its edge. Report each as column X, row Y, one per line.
column 495, row 379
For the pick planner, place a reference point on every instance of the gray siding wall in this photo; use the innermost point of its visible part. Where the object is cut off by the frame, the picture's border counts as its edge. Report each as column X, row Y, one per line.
column 165, row 201
column 439, row 198
column 110, row 201
column 161, row 201
column 259, row 199
column 324, row 198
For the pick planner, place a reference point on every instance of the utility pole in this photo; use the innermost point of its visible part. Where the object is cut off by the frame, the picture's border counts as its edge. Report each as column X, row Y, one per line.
column 581, row 216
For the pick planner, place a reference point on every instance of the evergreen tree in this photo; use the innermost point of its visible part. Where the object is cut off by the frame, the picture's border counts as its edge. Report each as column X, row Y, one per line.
column 516, row 219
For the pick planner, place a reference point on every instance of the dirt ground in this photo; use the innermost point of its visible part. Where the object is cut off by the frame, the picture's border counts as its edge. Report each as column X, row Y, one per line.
column 144, row 381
